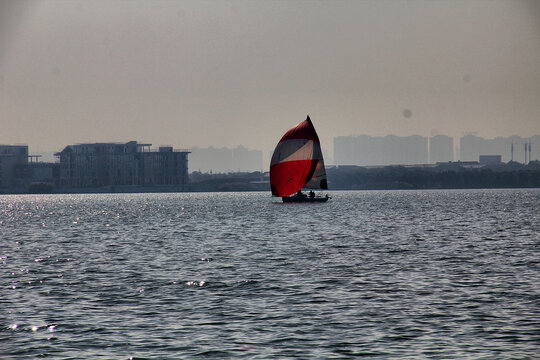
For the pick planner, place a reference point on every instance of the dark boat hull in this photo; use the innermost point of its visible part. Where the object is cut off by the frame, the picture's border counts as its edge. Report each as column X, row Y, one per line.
column 306, row 199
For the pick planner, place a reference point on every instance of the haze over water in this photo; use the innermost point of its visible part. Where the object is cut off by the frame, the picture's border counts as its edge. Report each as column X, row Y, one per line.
column 384, row 274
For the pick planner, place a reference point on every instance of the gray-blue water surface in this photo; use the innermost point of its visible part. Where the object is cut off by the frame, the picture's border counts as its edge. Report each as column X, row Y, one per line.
column 389, row 274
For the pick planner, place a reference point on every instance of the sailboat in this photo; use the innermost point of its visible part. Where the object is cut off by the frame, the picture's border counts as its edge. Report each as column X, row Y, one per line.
column 297, row 163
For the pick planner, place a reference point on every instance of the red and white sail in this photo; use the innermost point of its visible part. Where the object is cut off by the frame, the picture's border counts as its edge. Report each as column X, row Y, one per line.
column 297, row 161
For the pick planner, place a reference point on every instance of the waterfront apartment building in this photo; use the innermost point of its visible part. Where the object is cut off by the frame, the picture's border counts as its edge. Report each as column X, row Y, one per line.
column 17, row 173
column 13, row 160
column 122, row 164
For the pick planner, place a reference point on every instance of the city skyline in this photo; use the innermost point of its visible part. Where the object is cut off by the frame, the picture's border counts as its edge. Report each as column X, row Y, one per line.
column 232, row 146
column 225, row 73
column 363, row 150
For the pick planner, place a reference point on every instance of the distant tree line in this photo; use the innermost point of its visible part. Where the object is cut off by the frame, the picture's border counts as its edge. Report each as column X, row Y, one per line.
column 396, row 177
column 253, row 181
column 386, row 178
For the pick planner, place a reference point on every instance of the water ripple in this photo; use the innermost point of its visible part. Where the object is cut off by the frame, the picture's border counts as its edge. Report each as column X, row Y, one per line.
column 383, row 274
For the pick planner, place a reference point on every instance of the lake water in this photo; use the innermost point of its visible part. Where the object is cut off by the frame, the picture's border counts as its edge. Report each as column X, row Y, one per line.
column 382, row 274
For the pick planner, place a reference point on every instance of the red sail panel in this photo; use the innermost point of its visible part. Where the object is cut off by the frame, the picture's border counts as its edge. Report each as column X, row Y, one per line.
column 288, row 177
column 295, row 160
column 303, row 130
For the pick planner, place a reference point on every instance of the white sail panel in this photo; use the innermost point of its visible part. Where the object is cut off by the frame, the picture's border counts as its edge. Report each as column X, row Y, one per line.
column 296, row 149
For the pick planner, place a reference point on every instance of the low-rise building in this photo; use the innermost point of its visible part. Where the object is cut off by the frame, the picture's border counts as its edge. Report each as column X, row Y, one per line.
column 122, row 164
column 490, row 159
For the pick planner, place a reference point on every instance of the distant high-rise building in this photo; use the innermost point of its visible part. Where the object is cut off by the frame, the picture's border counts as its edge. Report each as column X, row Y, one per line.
column 344, row 150
column 441, row 149
column 246, row 160
column 211, row 159
column 471, row 147
column 535, row 147
column 225, row 160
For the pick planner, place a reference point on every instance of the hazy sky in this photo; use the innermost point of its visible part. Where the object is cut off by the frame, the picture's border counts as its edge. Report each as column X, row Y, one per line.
column 223, row 73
